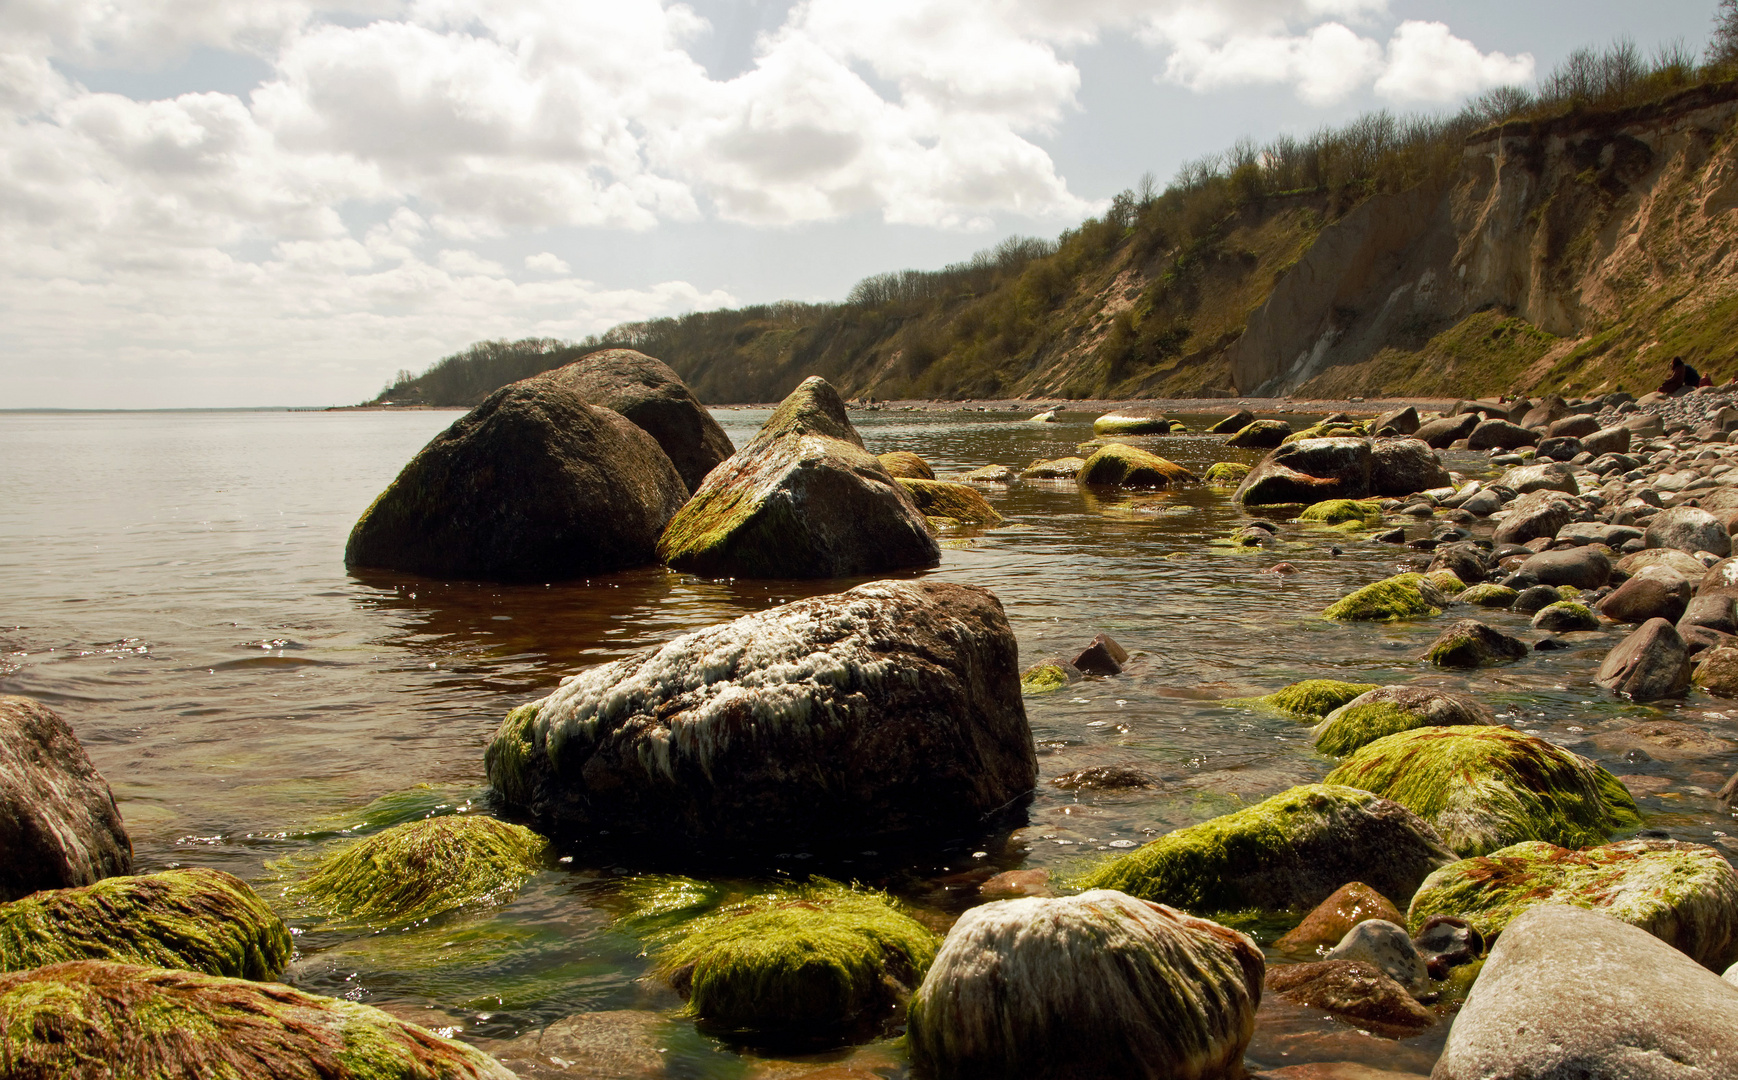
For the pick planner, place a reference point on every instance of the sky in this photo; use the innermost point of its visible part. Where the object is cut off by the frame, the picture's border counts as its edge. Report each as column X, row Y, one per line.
column 212, row 203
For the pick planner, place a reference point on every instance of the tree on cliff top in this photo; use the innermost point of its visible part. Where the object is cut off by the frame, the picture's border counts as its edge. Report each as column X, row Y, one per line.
column 1723, row 47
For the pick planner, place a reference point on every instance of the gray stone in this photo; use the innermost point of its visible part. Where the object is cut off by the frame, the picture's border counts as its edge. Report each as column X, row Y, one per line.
column 1690, row 529
column 58, row 824
column 1559, row 448
column 1384, row 945
column 1500, row 434
column 1309, row 471
column 1611, row 440
column 1535, row 598
column 1681, row 561
column 1483, row 503
column 1570, row 994
column 1405, row 421
column 1597, row 532
column 1657, row 592
column 1582, row 567
column 1652, row 663
column 1550, row 476
column 1465, row 561
column 1403, row 466
column 1439, row 434
column 1711, row 609
column 1541, row 513
column 1574, row 427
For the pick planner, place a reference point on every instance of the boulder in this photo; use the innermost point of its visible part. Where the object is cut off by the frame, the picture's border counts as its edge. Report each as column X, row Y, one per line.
column 1489, row 595
column 1689, row 529
column 1547, row 412
column 1653, row 662
column 1536, row 598
column 1581, row 568
column 1582, row 533
column 1540, row 513
column 1405, row 420
column 1611, row 440
column 192, row 920
column 1355, row 991
column 1565, row 616
column 1483, row 503
column 1098, row 984
column 802, row 500
column 1403, row 466
column 1329, row 921
column 1226, row 474
column 1120, row 466
column 1309, row 471
column 618, row 1044
column 1717, row 672
column 905, row 465
column 1637, row 561
column 1388, row 709
column 1288, row 852
column 1439, row 434
column 1500, row 435
column 1574, row 993
column 1103, row 656
column 1232, row 424
column 1056, row 469
column 58, row 822
column 1656, row 592
column 1560, row 448
column 1404, row 596
column 1261, row 435
column 1465, row 561
column 1471, row 644
column 1574, row 427
column 654, row 399
column 89, row 1018
column 1684, row 894
column 1550, row 476
column 415, row 871
column 1645, row 425
column 950, row 502
column 1712, row 609
column 1314, row 698
column 991, row 474
column 1384, row 944
column 1484, row 788
column 1132, row 422
column 1340, row 511
column 889, row 710
column 532, row 485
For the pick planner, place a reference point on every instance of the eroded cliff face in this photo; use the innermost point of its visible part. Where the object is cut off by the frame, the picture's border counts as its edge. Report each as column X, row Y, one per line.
column 1576, row 254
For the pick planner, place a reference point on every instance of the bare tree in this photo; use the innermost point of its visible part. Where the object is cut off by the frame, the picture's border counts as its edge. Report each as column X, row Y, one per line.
column 1723, row 46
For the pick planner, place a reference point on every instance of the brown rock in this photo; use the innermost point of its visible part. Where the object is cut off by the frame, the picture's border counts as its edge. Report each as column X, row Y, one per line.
column 1351, row 904
column 1103, row 657
column 1651, row 663
column 625, row 1043
column 1718, row 671
column 58, row 823
column 907, row 465
column 1014, row 883
column 1355, row 991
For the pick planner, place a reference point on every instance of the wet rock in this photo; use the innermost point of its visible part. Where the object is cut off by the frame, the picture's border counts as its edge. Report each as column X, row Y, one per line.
column 611, row 1043
column 1261, row 435
column 1471, row 644
column 1718, row 671
column 1574, row 427
column 1404, row 596
column 532, row 485
column 421, row 869
column 89, row 1018
column 1329, row 922
column 1132, row 422
column 1353, row 990
column 1447, row 941
column 1565, row 616
column 1611, row 440
column 1667, row 740
column 1050, row 675
column 1403, row 466
column 1226, row 474
column 1581, row 568
column 1651, row 663
column 1098, row 984
column 1119, row 466
column 192, row 920
column 1309, row 471
column 1465, row 561
column 1388, row 709
column 1314, row 698
column 1699, row 639
column 654, row 399
column 1385, row 945
column 1233, row 423
column 1103, row 778
column 1656, row 592
column 1489, row 594
column 1439, row 434
column 1598, row 532
column 961, row 503
column 1559, row 448
column 1595, row 1009
column 1713, row 610
column 991, row 474
column 905, row 465
column 1048, row 416
column 1688, row 529
column 1484, row 788
column 1550, row 476
column 802, row 500
column 1535, row 598
column 1683, row 562
column 1684, row 894
column 1013, row 884
column 1405, row 420
column 1500, row 434
column 890, row 709
column 58, row 822
column 1055, row 469
column 1103, row 657
column 1341, row 511
column 1539, row 514
column 1290, row 851
column 1484, row 503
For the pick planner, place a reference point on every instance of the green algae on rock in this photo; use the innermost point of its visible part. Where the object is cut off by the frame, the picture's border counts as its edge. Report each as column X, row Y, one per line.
column 1484, row 788
column 1226, row 473
column 1260, row 434
column 905, row 465
column 1388, row 709
column 1339, row 511
column 58, row 823
column 1471, row 644
column 1684, row 894
column 1093, row 985
column 1044, row 678
column 1313, row 698
column 654, row 902
column 798, row 964
column 419, row 870
column 1289, row 852
column 1133, row 422
column 1118, row 465
column 89, row 1018
column 1488, row 594
column 193, row 919
column 954, row 502
column 1404, row 596
column 1447, row 582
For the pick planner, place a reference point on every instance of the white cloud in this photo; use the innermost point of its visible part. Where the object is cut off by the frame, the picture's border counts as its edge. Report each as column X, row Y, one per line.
column 545, row 262
column 1426, row 62
column 1325, row 65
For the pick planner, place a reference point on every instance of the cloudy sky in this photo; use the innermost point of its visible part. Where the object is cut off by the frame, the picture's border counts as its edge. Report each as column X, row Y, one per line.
column 280, row 202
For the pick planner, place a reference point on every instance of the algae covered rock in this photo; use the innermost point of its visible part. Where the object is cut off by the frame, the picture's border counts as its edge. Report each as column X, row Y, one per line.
column 905, row 465
column 1684, row 894
column 890, row 709
column 1564, row 617
column 1098, row 984
column 1484, row 788
column 1132, row 422
column 1471, row 644
column 194, row 920
column 1119, row 466
column 1232, row 423
column 58, row 822
column 1314, row 697
column 810, row 964
column 954, row 502
column 654, row 399
column 91, row 1019
column 1404, row 596
column 991, row 474
column 532, row 485
column 1289, row 852
column 1226, row 474
column 418, row 870
column 1046, row 677
column 802, row 500
column 1385, row 710
column 1488, row 594
column 1340, row 511
column 1260, row 434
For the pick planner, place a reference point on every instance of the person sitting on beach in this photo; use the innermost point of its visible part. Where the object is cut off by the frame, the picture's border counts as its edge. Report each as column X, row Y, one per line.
column 1682, row 375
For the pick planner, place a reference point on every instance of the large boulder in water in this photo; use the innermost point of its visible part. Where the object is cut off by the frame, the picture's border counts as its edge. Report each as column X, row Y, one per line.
column 802, row 500
column 654, row 398
column 92, row 1019
column 58, row 822
column 1309, row 471
column 1403, row 466
column 1099, row 984
column 890, row 709
column 533, row 484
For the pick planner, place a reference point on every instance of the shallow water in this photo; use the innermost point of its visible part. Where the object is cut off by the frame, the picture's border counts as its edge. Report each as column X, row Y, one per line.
column 173, row 585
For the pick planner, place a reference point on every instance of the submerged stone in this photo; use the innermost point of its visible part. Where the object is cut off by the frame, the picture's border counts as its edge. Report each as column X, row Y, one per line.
column 1098, row 984
column 1404, row 596
column 1356, row 991
column 955, row 502
column 58, row 822
column 1484, row 788
column 194, row 920
column 1330, row 921
column 1289, row 852
column 1382, row 711
column 1119, row 466
column 1314, row 698
column 1055, row 469
column 1684, row 894
column 1471, row 644
column 1565, row 616
column 892, row 709
column 1046, row 677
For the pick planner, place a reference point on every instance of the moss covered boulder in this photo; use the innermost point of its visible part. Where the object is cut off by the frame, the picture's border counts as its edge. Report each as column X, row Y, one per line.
column 58, row 822
column 1404, row 596
column 1488, row 594
column 195, row 920
column 1484, row 788
column 91, row 1019
column 416, row 871
column 1132, row 422
column 1313, row 698
column 1684, row 894
column 1309, row 471
column 815, row 964
column 948, row 501
column 1471, row 644
column 532, row 485
column 1340, row 511
column 905, row 465
column 892, row 709
column 1288, row 853
column 1119, row 466
column 1260, row 435
column 1226, row 474
column 654, row 399
column 1049, row 676
column 1385, row 710
column 1093, row 985
column 802, row 500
